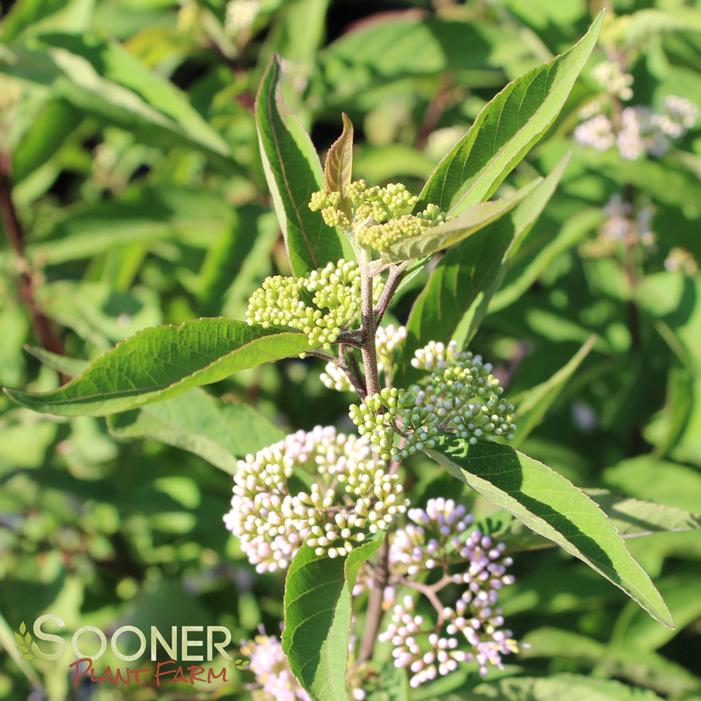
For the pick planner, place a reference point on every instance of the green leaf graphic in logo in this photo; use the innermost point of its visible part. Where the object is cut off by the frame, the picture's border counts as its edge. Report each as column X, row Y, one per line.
column 23, row 642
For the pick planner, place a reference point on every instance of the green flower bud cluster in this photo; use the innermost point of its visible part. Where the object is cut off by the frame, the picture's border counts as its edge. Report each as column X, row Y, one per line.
column 379, row 216
column 460, row 396
column 382, row 236
column 352, row 495
column 319, row 305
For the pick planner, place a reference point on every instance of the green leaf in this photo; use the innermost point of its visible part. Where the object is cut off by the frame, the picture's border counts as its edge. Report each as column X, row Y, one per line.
column 536, row 256
column 160, row 362
column 681, row 593
column 632, row 518
column 559, row 686
column 456, row 229
column 505, row 130
column 293, row 172
column 466, row 276
column 39, row 16
column 217, row 431
column 554, row 508
column 338, row 169
column 535, row 403
column 640, row 667
column 318, row 595
column 103, row 79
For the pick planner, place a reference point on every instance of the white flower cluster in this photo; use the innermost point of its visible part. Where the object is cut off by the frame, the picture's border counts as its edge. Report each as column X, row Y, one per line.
column 352, row 495
column 642, row 130
column 471, row 629
column 320, row 304
column 614, row 79
column 240, row 16
column 460, row 396
column 274, row 678
column 387, row 340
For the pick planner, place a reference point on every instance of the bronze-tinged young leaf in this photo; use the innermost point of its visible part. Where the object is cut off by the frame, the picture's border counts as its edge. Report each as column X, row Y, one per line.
column 553, row 507
column 160, row 362
column 293, row 173
column 318, row 595
column 505, row 130
column 456, row 229
column 338, row 169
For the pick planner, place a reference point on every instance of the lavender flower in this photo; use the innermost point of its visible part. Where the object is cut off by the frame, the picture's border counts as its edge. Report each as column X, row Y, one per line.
column 472, row 628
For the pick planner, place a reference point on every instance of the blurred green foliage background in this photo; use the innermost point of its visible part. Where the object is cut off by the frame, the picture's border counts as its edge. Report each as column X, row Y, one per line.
column 132, row 161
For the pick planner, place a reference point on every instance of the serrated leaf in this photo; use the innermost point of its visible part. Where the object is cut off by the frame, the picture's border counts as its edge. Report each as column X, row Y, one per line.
column 505, row 130
column 465, row 275
column 632, row 518
column 554, row 508
column 293, row 173
column 456, row 229
column 217, row 431
column 158, row 363
column 338, row 168
column 318, row 594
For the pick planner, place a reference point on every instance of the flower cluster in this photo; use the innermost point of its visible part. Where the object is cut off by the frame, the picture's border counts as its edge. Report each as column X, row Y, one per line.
column 274, row 678
column 241, row 15
column 471, row 629
column 387, row 340
column 460, row 396
column 320, row 305
column 624, row 224
column 351, row 495
column 641, row 131
column 680, row 259
column 377, row 216
column 614, row 79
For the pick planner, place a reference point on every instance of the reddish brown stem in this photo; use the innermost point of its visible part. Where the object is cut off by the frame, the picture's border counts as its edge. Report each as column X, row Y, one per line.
column 43, row 329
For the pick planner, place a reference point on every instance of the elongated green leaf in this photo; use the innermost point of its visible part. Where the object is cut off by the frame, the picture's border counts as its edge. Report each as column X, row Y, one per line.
column 553, row 507
column 293, row 172
column 338, row 169
column 505, row 130
column 60, row 363
column 534, row 257
column 632, row 518
column 457, row 229
column 559, row 686
column 681, row 593
column 158, row 363
column 623, row 661
column 465, row 277
column 535, row 403
column 103, row 79
column 217, row 431
column 318, row 619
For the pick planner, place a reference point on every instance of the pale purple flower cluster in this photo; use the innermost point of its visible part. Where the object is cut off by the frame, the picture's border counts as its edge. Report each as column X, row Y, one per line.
column 641, row 131
column 274, row 678
column 471, row 630
column 352, row 495
column 625, row 224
